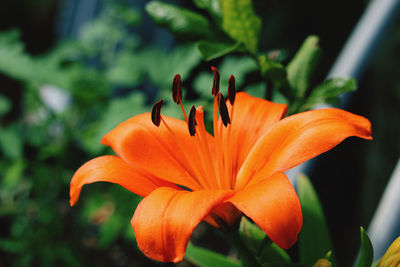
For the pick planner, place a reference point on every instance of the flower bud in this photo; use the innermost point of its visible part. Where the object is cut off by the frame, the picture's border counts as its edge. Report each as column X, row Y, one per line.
column 392, row 255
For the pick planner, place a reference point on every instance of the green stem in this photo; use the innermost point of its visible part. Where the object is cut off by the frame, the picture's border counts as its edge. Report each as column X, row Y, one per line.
column 268, row 83
column 248, row 259
column 269, row 89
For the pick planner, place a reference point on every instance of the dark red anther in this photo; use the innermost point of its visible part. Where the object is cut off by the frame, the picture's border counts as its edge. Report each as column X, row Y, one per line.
column 215, row 87
column 156, row 113
column 192, row 121
column 223, row 110
column 177, row 89
column 231, row 89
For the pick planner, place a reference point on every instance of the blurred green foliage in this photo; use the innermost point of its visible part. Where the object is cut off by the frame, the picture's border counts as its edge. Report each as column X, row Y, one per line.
column 311, row 246
column 102, row 78
column 367, row 251
column 96, row 79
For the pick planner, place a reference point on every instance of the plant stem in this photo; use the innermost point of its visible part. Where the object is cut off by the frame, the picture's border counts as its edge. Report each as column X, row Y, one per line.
column 247, row 258
column 269, row 89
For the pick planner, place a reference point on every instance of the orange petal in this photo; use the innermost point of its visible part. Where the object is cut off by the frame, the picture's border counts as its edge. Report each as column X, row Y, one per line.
column 251, row 118
column 273, row 205
column 114, row 170
column 298, row 138
column 165, row 219
column 165, row 152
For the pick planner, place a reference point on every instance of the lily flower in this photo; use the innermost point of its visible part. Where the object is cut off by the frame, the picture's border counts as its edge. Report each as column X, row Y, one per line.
column 186, row 175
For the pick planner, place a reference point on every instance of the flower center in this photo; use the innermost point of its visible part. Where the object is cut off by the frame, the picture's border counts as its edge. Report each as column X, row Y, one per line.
column 216, row 166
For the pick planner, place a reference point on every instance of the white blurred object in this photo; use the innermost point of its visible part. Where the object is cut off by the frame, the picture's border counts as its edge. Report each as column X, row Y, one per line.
column 368, row 34
column 54, row 98
column 359, row 49
column 384, row 227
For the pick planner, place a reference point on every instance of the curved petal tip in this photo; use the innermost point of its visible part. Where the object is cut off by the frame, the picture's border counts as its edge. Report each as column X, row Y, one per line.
column 164, row 221
column 274, row 206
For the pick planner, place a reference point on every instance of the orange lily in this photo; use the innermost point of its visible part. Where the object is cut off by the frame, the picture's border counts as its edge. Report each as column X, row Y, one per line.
column 186, row 175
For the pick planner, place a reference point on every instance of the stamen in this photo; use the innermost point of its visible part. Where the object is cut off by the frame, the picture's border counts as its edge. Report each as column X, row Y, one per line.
column 177, row 94
column 187, row 164
column 203, row 149
column 218, row 141
column 156, row 113
column 223, row 110
column 183, row 112
column 231, row 89
column 177, row 89
column 192, row 121
column 215, row 88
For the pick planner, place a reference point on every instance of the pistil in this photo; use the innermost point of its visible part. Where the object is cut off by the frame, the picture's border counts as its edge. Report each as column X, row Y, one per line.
column 222, row 169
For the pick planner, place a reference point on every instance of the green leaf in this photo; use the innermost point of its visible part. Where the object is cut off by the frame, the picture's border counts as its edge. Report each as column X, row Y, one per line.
column 126, row 70
column 120, row 109
column 275, row 71
column 110, row 230
column 241, row 23
column 211, row 50
column 161, row 72
column 256, row 90
column 11, row 141
column 312, row 246
column 13, row 245
column 128, row 15
column 5, row 105
column 180, row 21
column 251, row 234
column 14, row 62
column 19, row 65
column 129, row 69
column 205, row 258
column 367, row 251
column 302, row 66
column 272, row 253
column 278, row 97
column 282, row 264
column 212, row 6
column 329, row 92
column 260, row 244
column 13, row 174
column 237, row 66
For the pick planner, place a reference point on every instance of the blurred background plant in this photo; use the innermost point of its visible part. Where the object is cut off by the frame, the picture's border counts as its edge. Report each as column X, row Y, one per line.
column 70, row 71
